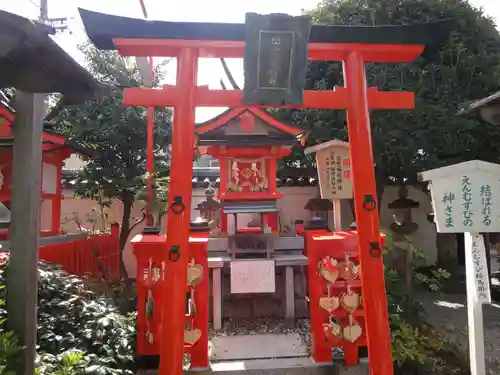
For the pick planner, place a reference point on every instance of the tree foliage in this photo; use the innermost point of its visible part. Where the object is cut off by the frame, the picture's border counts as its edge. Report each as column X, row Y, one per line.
column 78, row 332
column 115, row 135
column 466, row 68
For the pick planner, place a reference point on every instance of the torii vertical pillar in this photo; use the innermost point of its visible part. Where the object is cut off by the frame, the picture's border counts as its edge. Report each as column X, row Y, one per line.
column 367, row 221
column 178, row 219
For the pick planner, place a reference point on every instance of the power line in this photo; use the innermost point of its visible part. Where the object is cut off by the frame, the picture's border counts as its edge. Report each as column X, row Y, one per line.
column 35, row 4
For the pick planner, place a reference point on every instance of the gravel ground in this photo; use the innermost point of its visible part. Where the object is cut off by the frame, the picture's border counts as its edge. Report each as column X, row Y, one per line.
column 261, row 326
column 448, row 314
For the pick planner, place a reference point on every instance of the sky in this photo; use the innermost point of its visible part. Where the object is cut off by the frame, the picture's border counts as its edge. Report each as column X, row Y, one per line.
column 210, row 70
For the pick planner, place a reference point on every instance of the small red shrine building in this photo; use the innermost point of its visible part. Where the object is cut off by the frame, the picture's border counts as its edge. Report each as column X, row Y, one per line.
column 55, row 150
column 248, row 142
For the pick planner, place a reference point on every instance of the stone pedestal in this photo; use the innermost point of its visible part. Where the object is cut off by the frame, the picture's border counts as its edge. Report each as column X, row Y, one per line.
column 250, row 306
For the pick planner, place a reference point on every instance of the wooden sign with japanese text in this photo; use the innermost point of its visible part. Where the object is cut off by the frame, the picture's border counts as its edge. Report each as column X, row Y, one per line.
column 275, row 60
column 334, row 170
column 253, row 276
column 466, row 197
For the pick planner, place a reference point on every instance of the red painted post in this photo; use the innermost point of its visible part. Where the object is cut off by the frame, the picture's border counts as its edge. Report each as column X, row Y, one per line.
column 223, row 172
column 363, row 175
column 148, row 250
column 321, row 348
column 198, row 243
column 115, row 259
column 56, row 201
column 177, row 250
column 271, row 175
column 150, row 156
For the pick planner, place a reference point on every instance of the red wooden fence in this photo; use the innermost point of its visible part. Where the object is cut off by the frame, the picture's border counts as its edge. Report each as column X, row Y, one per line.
column 96, row 256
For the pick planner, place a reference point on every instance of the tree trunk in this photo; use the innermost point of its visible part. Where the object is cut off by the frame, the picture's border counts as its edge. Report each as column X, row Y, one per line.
column 409, row 270
column 129, row 304
column 128, row 201
column 380, row 184
column 447, row 250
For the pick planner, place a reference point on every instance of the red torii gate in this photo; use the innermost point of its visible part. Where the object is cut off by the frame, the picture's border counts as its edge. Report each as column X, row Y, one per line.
column 188, row 42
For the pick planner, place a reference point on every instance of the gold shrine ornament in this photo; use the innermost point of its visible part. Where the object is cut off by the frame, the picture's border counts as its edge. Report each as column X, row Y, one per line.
column 328, row 269
column 329, row 304
column 194, row 273
column 348, row 271
column 191, row 336
column 332, row 330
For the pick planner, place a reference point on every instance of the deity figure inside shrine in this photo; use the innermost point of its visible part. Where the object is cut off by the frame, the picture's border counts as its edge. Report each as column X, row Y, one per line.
column 247, row 176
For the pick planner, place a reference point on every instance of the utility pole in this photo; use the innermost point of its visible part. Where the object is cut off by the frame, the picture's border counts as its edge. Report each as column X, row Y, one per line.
column 24, row 231
column 44, row 11
column 59, row 24
column 22, row 279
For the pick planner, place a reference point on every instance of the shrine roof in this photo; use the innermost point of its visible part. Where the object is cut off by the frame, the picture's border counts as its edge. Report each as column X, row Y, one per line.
column 246, row 127
column 487, row 109
column 324, row 145
column 32, row 62
column 458, row 169
column 103, row 28
column 235, row 113
column 51, row 137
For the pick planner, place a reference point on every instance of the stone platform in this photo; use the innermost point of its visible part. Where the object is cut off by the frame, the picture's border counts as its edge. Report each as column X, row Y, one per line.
column 277, row 366
column 267, row 354
column 253, row 306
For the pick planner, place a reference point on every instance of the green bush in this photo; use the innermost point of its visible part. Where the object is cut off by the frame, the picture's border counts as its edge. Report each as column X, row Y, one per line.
column 416, row 347
column 9, row 350
column 78, row 331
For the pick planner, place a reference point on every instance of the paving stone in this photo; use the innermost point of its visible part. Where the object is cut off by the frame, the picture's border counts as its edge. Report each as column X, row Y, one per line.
column 242, row 347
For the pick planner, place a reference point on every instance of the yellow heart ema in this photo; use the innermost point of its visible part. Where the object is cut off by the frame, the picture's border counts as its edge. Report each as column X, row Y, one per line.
column 352, row 333
column 350, row 302
column 191, row 336
column 329, row 303
column 194, row 274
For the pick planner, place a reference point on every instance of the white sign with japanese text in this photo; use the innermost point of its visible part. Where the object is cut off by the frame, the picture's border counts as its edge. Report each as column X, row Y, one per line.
column 466, row 197
column 253, row 276
column 478, row 293
column 476, row 254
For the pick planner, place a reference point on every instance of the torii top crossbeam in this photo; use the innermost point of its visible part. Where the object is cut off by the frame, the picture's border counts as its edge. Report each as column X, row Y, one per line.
column 137, row 37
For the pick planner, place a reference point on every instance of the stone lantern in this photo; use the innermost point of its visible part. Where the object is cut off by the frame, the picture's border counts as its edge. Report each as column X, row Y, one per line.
column 402, row 227
column 210, row 208
column 319, row 207
column 403, row 224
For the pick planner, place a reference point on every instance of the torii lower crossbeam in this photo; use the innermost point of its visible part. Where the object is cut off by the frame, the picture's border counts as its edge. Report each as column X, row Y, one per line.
column 169, row 96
